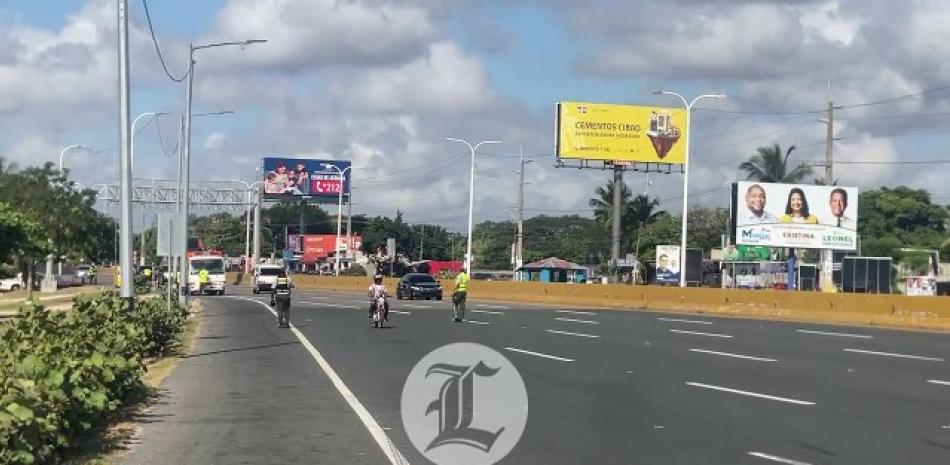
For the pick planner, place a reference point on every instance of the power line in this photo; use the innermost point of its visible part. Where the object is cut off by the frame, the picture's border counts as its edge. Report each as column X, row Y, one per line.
column 158, row 49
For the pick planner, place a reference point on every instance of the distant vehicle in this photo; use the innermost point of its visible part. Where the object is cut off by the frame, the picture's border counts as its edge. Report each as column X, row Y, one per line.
column 85, row 275
column 12, row 284
column 265, row 277
column 419, row 285
column 215, row 266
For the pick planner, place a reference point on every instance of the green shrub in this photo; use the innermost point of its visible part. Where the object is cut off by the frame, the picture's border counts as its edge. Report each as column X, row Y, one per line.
column 354, row 270
column 62, row 372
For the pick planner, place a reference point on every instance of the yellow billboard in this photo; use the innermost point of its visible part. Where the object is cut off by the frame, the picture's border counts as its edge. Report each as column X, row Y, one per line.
column 621, row 133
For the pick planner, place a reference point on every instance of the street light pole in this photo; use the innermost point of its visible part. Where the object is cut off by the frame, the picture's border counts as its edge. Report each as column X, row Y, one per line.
column 689, row 110
column 339, row 213
column 471, row 196
column 67, row 149
column 186, row 163
column 247, row 231
column 135, row 122
column 125, row 250
column 519, row 254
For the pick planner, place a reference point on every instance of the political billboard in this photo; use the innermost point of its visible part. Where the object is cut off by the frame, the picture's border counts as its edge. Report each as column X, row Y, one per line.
column 305, row 178
column 795, row 215
column 667, row 264
column 621, row 133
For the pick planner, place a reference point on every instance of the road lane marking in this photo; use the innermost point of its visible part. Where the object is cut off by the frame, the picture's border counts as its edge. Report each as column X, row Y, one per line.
column 749, row 393
column 416, row 306
column 568, row 333
column 890, row 354
column 697, row 333
column 828, row 333
column 476, row 322
column 489, row 312
column 379, row 435
column 324, row 304
column 775, row 458
column 572, row 320
column 538, row 354
column 937, row 381
column 400, row 312
column 727, row 354
column 677, row 320
column 576, row 312
column 492, row 306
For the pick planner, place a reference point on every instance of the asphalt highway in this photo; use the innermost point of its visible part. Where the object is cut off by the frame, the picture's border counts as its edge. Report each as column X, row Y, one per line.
column 604, row 387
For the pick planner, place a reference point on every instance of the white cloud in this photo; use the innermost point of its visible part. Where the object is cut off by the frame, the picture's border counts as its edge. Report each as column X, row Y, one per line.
column 214, row 141
column 445, row 80
column 305, row 34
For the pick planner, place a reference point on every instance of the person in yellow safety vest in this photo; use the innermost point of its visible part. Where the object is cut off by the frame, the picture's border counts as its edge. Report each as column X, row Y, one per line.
column 203, row 279
column 117, row 277
column 148, row 273
column 460, row 295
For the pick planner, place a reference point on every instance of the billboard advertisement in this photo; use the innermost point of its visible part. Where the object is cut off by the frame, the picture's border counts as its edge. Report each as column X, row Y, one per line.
column 321, row 246
column 304, row 177
column 668, row 264
column 621, row 133
column 796, row 215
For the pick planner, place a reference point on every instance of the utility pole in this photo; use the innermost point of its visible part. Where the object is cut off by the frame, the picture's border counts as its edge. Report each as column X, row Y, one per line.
column 827, row 255
column 519, row 251
column 422, row 238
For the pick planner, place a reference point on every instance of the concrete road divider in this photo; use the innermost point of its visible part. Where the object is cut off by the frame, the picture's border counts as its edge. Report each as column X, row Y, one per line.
column 856, row 309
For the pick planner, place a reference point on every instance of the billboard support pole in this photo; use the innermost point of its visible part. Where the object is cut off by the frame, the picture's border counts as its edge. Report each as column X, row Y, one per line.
column 616, row 222
column 689, row 110
column 827, row 255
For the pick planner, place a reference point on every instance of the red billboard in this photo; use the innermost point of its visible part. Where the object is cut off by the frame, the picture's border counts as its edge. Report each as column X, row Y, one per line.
column 320, row 246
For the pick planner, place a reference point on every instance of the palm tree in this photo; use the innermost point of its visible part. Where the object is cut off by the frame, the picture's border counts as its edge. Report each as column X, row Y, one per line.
column 640, row 213
column 768, row 165
column 603, row 202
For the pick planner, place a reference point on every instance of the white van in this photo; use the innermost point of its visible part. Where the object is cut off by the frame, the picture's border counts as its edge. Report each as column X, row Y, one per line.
column 265, row 277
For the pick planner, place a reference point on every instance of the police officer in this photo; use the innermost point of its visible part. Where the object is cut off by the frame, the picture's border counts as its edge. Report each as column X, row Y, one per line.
column 280, row 299
column 460, row 295
column 203, row 279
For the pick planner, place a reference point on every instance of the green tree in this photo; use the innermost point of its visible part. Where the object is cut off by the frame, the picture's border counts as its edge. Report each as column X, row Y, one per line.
column 491, row 245
column 603, row 202
column 640, row 213
column 768, row 165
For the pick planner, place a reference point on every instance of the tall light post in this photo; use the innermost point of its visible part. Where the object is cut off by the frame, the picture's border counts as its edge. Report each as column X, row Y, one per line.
column 155, row 114
column 689, row 110
column 339, row 213
column 125, row 159
column 471, row 196
column 68, row 149
column 186, row 162
column 519, row 257
column 247, row 231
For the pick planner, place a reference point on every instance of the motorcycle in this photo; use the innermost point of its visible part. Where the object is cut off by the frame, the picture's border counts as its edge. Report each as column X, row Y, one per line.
column 380, row 315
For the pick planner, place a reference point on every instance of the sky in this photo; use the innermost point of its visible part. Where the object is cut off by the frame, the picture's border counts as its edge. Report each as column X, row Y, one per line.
column 383, row 83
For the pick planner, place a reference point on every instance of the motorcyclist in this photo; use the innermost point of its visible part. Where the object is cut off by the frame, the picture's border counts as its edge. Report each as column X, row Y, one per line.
column 376, row 290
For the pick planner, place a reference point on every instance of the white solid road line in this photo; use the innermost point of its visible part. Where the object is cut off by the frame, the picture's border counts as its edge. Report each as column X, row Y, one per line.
column 749, row 393
column 476, row 322
column 568, row 333
column 890, row 354
column 727, row 354
column 677, row 320
column 576, row 312
column 489, row 312
column 400, row 312
column 572, row 320
column 389, row 449
column 681, row 331
column 827, row 333
column 538, row 354
column 775, row 458
column 937, row 381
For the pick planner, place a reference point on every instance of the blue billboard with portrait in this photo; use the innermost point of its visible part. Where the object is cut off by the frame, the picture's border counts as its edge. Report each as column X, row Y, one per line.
column 305, row 178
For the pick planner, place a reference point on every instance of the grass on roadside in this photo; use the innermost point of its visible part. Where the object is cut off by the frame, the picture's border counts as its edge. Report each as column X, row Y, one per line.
column 104, row 443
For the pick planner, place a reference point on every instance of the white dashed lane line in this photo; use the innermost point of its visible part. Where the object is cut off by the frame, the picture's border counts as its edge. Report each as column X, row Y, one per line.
column 488, row 312
column 573, row 320
column 568, row 333
column 476, row 322
column 891, row 354
column 324, row 304
column 697, row 333
column 539, row 354
column 937, row 381
column 400, row 312
column 576, row 312
column 749, row 393
column 828, row 333
column 775, row 458
column 677, row 320
column 502, row 307
column 727, row 354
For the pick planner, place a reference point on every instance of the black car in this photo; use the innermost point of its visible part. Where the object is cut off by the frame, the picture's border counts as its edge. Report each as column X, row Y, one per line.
column 418, row 285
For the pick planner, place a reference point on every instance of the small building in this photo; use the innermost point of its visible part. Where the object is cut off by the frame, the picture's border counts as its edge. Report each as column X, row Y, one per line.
column 554, row 270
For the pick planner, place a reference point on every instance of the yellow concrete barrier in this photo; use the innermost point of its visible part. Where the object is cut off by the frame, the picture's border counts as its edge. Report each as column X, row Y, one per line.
column 855, row 309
